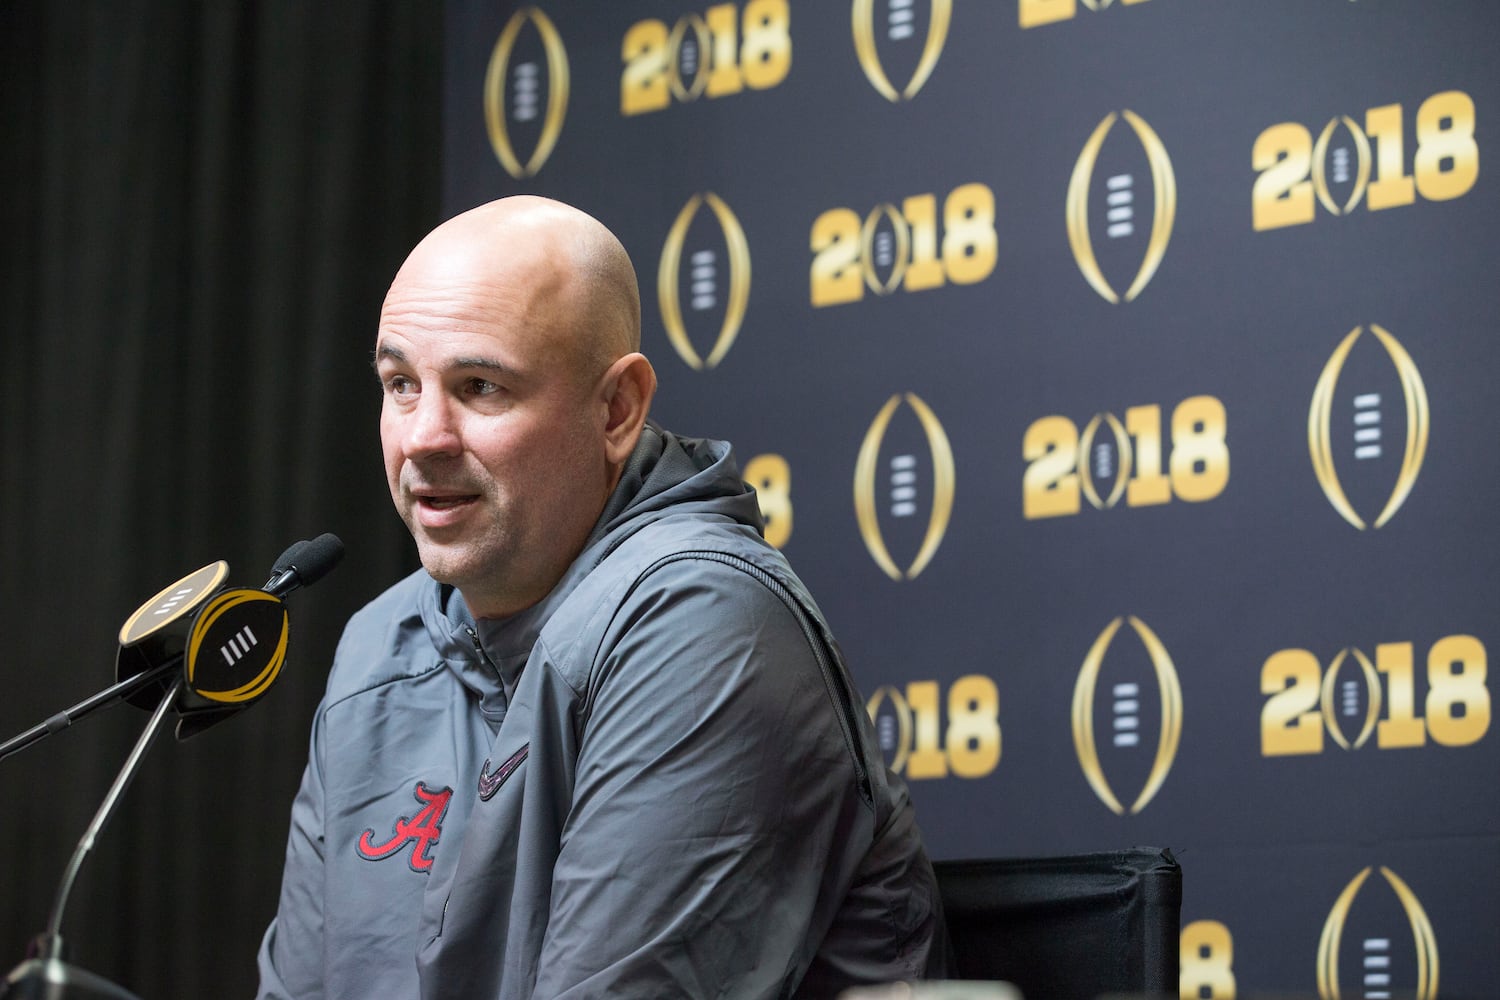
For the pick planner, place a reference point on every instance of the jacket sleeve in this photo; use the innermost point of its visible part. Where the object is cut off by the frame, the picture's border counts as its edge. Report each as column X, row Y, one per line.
column 716, row 800
column 291, row 953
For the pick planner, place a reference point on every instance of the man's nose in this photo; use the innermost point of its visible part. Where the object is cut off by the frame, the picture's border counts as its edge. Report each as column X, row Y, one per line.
column 432, row 427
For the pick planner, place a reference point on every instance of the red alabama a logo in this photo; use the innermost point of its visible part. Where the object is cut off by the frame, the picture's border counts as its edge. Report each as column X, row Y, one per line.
column 423, row 830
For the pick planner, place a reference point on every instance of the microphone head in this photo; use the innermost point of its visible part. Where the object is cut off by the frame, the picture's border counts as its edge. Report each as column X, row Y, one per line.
column 287, row 559
column 318, row 558
column 304, row 563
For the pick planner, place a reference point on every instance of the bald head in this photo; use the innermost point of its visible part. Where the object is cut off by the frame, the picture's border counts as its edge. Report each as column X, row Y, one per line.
column 513, row 394
column 562, row 266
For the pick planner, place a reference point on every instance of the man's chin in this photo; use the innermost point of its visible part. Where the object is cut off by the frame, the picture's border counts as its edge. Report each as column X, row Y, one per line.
column 444, row 563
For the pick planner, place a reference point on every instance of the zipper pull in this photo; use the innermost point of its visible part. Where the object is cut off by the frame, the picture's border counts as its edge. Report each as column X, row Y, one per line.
column 479, row 649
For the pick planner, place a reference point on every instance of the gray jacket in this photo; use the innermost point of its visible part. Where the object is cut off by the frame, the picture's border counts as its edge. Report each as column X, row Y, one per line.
column 659, row 781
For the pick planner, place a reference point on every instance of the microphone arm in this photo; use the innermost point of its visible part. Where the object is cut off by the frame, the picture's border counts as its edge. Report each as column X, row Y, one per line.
column 62, row 720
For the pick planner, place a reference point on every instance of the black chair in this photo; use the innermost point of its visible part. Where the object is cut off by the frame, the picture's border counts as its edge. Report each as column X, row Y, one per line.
column 1067, row 928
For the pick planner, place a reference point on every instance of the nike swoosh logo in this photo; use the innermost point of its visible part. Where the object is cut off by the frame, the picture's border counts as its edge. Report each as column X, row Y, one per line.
column 490, row 781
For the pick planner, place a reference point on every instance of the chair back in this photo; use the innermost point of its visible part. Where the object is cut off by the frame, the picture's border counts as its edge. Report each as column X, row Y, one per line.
column 1067, row 928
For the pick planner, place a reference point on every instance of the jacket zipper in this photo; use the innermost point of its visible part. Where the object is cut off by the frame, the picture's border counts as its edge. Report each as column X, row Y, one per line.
column 483, row 656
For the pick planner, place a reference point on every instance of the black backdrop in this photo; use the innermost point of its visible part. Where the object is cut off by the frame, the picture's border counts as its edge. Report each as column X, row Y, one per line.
column 203, row 205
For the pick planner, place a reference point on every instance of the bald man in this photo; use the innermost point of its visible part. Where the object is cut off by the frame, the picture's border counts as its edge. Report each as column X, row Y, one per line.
column 602, row 744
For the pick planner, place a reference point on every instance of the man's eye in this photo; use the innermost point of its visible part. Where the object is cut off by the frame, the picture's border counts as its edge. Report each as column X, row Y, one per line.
column 481, row 387
column 400, row 385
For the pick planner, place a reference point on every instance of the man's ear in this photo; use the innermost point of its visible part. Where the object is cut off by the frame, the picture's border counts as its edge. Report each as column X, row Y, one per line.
column 628, row 387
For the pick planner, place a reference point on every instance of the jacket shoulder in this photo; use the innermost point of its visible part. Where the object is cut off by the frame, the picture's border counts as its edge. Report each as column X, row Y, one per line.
column 672, row 555
column 384, row 641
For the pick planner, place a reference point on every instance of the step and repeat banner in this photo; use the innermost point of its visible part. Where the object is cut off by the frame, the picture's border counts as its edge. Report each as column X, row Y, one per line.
column 1119, row 374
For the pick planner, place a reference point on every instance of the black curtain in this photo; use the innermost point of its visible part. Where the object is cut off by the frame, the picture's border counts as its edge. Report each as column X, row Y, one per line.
column 202, row 205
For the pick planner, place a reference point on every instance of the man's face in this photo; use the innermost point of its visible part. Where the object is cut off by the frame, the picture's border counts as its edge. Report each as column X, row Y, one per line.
column 493, row 436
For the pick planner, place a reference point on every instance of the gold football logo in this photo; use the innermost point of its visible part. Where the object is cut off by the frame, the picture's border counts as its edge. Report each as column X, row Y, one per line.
column 1170, row 692
column 495, row 82
column 250, row 660
column 1164, row 206
column 1320, row 170
column 942, row 487
column 1424, row 940
column 863, row 16
column 901, row 232
column 1320, row 427
column 1328, row 697
column 901, row 716
column 667, row 276
column 1123, row 462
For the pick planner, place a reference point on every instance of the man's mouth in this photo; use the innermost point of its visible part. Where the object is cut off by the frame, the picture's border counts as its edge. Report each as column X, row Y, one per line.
column 445, row 502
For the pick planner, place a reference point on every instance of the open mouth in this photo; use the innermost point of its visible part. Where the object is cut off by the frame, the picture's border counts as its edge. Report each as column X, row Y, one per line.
column 445, row 503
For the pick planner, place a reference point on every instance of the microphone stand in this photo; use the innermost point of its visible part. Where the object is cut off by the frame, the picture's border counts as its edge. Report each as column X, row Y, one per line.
column 45, row 975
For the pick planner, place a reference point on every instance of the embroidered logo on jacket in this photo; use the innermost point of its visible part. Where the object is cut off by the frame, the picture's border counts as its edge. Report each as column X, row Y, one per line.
column 490, row 781
column 421, row 831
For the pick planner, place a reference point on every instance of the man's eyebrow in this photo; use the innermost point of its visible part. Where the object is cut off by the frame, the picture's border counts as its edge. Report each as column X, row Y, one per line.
column 384, row 351
column 387, row 352
column 484, row 364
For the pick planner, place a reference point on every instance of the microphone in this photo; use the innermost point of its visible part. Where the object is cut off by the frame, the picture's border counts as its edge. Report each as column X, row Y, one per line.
column 304, row 563
column 231, row 653
column 237, row 644
column 154, row 644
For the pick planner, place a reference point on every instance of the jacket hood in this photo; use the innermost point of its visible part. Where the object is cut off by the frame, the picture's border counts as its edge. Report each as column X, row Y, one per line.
column 665, row 474
column 683, row 475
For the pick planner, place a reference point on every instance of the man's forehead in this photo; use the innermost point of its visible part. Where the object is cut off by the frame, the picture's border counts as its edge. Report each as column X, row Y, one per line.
column 477, row 316
column 453, row 294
